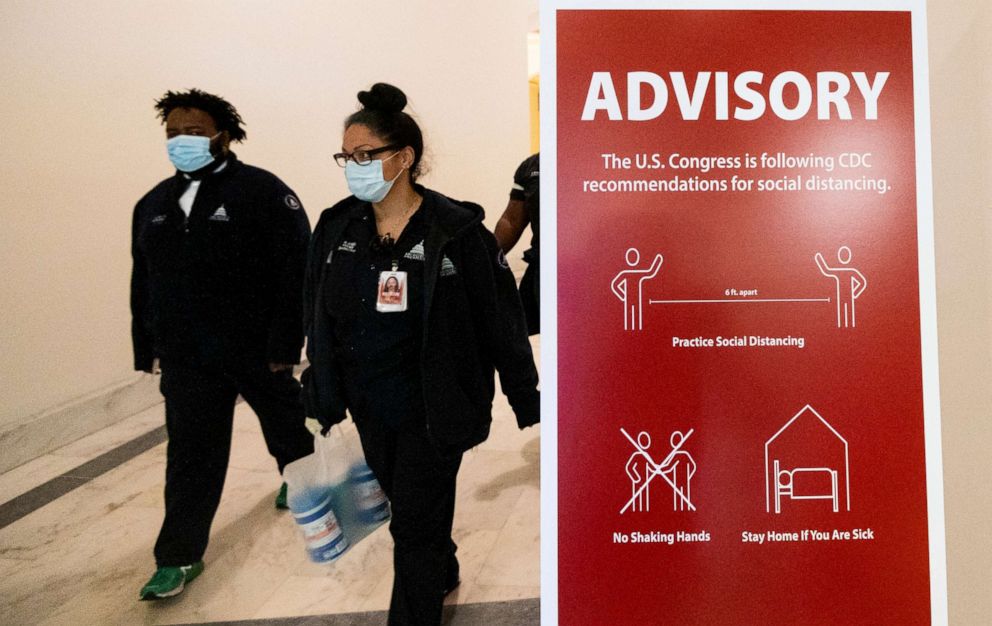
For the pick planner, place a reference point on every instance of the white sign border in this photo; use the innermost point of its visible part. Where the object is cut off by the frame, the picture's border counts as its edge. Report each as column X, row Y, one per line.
column 549, row 270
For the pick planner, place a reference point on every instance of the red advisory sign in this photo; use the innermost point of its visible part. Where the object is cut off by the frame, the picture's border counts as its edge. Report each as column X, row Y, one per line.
column 742, row 333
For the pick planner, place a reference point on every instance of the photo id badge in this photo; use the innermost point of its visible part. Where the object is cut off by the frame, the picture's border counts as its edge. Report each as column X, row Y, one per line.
column 392, row 292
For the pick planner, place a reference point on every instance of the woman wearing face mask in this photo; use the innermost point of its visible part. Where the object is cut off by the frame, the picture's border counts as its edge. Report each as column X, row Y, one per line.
column 417, row 378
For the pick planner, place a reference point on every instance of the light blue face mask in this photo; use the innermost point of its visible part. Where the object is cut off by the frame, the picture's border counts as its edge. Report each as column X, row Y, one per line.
column 189, row 152
column 367, row 182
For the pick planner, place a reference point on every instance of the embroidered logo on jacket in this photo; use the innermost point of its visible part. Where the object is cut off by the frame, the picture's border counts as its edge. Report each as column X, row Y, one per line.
column 447, row 267
column 348, row 246
column 158, row 219
column 416, row 253
column 220, row 215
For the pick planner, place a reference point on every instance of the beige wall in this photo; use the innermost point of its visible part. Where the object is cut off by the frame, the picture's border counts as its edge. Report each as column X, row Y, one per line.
column 960, row 93
column 79, row 146
column 80, row 143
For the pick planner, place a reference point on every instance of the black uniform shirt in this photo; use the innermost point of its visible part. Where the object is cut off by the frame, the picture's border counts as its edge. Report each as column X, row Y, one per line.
column 527, row 187
column 378, row 352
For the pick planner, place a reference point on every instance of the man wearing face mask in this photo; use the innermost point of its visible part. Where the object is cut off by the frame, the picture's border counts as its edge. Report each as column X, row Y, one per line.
column 219, row 253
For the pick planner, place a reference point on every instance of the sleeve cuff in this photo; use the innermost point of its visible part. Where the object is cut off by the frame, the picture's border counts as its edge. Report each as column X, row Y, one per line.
column 527, row 409
column 143, row 363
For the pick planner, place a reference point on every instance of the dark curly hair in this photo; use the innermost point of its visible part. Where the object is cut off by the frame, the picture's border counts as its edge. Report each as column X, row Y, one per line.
column 224, row 114
column 382, row 112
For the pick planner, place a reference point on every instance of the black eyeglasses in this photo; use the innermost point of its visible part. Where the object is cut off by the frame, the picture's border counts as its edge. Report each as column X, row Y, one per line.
column 361, row 157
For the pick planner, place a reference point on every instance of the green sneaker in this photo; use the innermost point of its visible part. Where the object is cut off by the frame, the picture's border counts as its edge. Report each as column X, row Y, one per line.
column 281, row 498
column 170, row 581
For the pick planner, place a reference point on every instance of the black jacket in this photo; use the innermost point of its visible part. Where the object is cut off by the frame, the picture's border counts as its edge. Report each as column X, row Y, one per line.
column 473, row 324
column 224, row 285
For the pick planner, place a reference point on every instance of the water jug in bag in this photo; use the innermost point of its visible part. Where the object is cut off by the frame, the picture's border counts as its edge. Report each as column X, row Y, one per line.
column 370, row 501
column 322, row 534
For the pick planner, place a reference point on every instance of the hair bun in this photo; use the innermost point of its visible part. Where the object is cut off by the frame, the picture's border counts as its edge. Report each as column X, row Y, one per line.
column 383, row 97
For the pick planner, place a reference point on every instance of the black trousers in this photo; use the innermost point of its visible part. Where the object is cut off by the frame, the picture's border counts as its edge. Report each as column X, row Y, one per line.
column 420, row 485
column 199, row 416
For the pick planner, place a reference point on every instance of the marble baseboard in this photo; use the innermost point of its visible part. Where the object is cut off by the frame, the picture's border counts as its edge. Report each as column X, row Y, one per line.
column 66, row 423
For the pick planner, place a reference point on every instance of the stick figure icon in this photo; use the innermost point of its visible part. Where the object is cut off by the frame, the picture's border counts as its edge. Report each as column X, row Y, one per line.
column 850, row 284
column 680, row 468
column 627, row 281
column 639, row 467
column 676, row 469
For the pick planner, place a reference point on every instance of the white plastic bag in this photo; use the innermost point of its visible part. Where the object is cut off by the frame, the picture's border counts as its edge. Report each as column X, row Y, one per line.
column 334, row 497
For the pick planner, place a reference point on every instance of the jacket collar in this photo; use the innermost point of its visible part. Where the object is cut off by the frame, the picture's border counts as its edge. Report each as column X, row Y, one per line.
column 213, row 170
column 451, row 217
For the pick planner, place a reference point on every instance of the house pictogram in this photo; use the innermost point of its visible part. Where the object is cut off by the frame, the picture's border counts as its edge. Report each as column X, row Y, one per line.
column 807, row 459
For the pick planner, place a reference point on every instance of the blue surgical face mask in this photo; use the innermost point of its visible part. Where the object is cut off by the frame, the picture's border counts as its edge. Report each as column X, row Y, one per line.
column 189, row 152
column 367, row 181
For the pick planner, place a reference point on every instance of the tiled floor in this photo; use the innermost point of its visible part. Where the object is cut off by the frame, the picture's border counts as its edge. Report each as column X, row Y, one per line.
column 81, row 558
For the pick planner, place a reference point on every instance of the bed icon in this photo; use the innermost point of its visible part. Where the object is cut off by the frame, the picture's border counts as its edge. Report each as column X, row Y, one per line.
column 807, row 459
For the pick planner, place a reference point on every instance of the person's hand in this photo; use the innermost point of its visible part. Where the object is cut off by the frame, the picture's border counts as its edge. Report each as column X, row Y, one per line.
column 155, row 368
column 280, row 367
